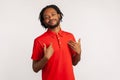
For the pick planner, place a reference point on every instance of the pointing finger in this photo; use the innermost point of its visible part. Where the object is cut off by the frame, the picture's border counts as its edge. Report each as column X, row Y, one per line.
column 79, row 40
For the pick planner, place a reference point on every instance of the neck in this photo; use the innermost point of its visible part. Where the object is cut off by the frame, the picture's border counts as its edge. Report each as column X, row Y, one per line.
column 56, row 29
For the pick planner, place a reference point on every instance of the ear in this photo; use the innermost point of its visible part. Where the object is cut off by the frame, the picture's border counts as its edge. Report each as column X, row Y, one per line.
column 44, row 21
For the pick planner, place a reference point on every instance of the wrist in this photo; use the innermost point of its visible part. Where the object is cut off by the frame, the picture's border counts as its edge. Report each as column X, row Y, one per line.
column 45, row 58
column 78, row 53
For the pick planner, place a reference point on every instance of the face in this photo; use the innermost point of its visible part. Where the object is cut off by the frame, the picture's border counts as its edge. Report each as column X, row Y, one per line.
column 51, row 18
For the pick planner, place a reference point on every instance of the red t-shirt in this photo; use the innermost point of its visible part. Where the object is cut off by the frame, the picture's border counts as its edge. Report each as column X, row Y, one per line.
column 59, row 66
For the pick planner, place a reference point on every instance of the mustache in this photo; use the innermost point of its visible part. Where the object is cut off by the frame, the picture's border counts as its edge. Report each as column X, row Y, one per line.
column 51, row 20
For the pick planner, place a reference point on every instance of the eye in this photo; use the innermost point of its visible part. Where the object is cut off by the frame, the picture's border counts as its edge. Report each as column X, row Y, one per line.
column 53, row 14
column 46, row 17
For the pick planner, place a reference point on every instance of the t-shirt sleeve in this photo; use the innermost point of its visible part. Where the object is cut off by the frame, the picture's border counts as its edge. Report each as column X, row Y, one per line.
column 37, row 52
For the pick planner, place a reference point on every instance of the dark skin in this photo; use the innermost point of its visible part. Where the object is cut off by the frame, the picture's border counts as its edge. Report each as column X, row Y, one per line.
column 77, row 48
column 51, row 17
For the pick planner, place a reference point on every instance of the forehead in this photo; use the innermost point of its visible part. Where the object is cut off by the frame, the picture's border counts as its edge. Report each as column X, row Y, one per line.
column 49, row 10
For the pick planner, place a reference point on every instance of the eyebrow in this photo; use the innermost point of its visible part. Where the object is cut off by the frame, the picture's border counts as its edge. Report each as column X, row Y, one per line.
column 51, row 13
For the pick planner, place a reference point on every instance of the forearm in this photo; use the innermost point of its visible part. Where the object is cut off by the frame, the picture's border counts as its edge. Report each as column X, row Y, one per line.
column 38, row 65
column 76, row 59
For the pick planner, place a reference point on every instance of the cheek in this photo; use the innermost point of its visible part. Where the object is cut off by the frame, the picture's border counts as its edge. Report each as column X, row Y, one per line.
column 46, row 21
column 58, row 18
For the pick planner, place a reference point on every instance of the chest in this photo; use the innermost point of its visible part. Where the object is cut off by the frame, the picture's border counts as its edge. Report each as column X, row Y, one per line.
column 58, row 42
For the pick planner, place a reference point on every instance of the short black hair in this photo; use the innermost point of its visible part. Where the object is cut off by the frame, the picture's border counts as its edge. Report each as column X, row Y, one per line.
column 42, row 12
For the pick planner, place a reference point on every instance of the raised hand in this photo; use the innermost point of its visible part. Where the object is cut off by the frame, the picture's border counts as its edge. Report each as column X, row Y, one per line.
column 76, row 46
column 48, row 51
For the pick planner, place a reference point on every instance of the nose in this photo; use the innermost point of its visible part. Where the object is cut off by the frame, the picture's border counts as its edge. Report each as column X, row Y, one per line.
column 50, row 17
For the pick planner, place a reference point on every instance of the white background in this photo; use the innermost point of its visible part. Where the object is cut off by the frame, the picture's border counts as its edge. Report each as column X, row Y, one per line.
column 96, row 22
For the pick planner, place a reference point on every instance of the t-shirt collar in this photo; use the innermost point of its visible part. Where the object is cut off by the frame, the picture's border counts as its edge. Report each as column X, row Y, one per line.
column 54, row 34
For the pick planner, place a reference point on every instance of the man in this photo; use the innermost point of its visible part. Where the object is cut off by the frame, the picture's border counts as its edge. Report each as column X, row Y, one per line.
column 55, row 52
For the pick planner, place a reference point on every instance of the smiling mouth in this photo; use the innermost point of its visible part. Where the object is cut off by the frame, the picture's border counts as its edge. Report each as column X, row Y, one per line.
column 51, row 21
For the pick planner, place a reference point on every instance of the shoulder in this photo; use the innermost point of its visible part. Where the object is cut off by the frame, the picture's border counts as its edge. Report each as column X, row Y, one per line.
column 67, row 33
column 40, row 37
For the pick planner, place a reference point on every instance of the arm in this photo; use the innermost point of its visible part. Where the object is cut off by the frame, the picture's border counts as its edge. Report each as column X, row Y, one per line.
column 76, row 59
column 38, row 65
column 76, row 46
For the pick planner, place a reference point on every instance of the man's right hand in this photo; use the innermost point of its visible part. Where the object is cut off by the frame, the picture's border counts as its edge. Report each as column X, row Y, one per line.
column 48, row 51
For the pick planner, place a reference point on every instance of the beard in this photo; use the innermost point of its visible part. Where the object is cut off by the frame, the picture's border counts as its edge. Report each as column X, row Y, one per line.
column 53, row 26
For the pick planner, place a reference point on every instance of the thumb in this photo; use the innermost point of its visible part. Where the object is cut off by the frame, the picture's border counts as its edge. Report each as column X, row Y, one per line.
column 79, row 40
column 44, row 47
column 50, row 45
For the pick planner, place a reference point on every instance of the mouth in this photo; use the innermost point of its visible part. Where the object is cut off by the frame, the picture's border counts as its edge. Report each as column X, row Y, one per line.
column 52, row 21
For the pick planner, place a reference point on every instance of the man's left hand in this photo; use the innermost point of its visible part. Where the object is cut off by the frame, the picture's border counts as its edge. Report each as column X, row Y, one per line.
column 76, row 46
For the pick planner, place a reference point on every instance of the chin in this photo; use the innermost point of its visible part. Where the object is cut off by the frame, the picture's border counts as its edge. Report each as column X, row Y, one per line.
column 53, row 26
